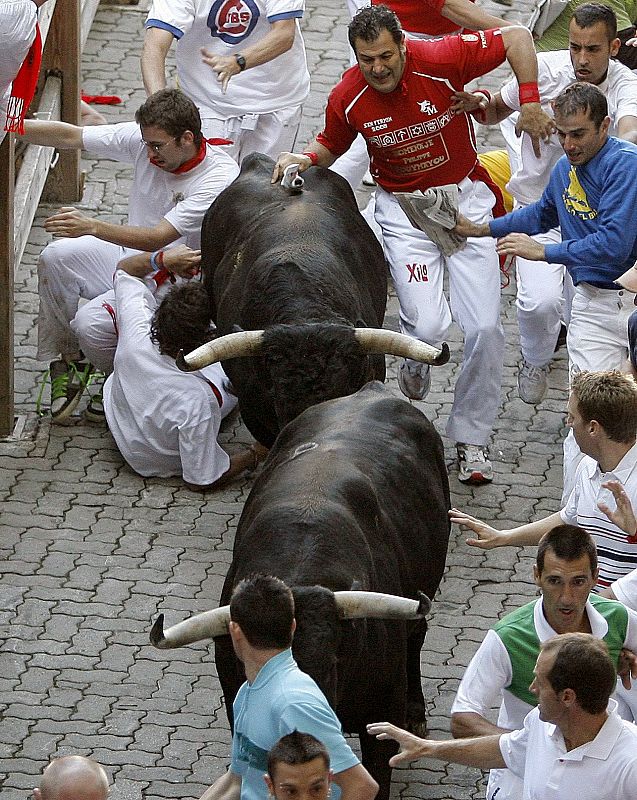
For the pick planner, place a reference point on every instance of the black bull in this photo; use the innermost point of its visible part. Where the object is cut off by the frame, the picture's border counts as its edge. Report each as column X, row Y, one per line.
column 305, row 268
column 354, row 494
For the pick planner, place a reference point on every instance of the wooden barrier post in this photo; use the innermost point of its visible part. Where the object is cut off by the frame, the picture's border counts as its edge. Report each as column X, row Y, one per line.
column 62, row 55
column 7, row 178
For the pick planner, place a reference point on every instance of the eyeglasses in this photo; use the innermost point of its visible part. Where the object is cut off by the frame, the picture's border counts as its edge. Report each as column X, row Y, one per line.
column 157, row 147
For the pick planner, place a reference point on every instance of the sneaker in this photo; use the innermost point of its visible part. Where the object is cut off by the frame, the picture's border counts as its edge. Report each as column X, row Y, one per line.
column 532, row 383
column 68, row 381
column 95, row 409
column 414, row 380
column 473, row 463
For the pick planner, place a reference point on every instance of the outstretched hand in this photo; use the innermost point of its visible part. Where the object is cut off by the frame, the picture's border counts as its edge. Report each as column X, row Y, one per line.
column 411, row 747
column 487, row 537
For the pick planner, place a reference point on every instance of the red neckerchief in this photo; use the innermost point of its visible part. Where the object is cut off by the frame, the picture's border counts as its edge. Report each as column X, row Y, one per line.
column 24, row 86
column 195, row 160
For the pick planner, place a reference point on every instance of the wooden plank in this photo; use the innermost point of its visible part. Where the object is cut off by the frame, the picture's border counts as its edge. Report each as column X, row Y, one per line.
column 89, row 9
column 35, row 168
column 62, row 56
column 6, row 285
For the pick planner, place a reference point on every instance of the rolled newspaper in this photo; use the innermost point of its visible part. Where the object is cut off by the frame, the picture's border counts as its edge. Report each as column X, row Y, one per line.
column 434, row 211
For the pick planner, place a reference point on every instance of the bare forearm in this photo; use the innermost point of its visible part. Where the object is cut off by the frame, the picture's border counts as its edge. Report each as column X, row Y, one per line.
column 470, row 15
column 62, row 135
column 137, row 238
column 531, row 533
column 277, row 41
column 157, row 43
column 227, row 787
column 325, row 157
column 520, row 53
column 481, row 751
column 465, row 724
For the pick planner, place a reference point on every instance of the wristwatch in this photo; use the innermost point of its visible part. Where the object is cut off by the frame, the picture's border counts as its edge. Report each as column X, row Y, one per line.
column 241, row 62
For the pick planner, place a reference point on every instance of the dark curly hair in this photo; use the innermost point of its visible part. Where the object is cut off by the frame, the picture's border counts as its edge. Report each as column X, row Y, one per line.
column 370, row 22
column 173, row 112
column 182, row 321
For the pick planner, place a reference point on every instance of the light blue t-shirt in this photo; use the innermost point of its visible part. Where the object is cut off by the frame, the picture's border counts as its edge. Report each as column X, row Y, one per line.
column 281, row 699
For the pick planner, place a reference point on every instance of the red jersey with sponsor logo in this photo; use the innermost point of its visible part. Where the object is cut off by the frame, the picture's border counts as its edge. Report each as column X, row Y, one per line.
column 421, row 16
column 413, row 139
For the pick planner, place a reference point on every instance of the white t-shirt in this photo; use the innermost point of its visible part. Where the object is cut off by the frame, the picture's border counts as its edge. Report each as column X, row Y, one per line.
column 615, row 554
column 165, row 421
column 17, row 32
column 484, row 683
column 603, row 769
column 226, row 28
column 155, row 194
column 555, row 73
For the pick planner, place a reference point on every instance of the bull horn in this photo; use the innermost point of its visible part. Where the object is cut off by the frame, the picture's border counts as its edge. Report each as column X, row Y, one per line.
column 377, row 340
column 232, row 345
column 202, row 626
column 355, row 605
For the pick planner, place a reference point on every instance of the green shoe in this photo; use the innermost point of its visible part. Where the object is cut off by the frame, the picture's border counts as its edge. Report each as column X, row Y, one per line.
column 95, row 408
column 68, row 381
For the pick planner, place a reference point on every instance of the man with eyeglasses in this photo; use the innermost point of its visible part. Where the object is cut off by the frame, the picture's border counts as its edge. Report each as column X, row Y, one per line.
column 176, row 175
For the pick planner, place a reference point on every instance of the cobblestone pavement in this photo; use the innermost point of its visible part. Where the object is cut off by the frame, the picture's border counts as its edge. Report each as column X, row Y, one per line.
column 91, row 552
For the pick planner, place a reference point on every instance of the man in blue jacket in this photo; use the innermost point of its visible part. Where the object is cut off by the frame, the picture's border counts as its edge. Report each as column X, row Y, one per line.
column 592, row 197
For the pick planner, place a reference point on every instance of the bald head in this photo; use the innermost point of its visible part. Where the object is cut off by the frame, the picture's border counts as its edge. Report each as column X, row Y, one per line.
column 72, row 778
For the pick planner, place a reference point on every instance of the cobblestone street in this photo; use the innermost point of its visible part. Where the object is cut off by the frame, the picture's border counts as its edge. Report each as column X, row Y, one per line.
column 91, row 552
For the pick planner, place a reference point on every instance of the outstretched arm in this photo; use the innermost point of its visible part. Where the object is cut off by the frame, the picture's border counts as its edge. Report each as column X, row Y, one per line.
column 483, row 751
column 471, row 15
column 488, row 537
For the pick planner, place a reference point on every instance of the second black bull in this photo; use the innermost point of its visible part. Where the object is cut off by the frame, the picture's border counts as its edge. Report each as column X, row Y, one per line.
column 298, row 287
column 354, row 494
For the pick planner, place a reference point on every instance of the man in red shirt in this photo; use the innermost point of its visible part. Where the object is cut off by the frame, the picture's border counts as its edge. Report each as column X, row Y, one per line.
column 400, row 96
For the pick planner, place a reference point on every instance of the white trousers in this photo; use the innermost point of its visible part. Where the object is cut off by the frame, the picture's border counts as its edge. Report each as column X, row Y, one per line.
column 95, row 326
column 597, row 340
column 70, row 269
column 271, row 134
column 544, row 297
column 417, row 268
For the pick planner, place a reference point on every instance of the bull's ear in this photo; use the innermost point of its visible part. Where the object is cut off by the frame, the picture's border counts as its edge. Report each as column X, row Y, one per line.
column 237, row 329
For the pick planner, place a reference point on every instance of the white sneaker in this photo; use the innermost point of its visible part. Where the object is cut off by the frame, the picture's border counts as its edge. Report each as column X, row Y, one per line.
column 414, row 380
column 532, row 383
column 473, row 463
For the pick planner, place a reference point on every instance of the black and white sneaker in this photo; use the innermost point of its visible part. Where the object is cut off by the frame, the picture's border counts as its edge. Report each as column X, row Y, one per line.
column 473, row 463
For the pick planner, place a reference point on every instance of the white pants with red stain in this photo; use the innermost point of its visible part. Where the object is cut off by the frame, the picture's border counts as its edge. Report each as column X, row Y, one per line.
column 70, row 269
column 271, row 133
column 418, row 268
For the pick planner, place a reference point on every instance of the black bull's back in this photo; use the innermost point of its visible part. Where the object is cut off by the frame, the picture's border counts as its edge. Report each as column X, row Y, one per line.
column 355, row 491
column 271, row 258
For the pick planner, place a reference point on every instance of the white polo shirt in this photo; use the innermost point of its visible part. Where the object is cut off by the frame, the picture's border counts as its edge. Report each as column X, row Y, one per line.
column 155, row 194
column 603, row 769
column 555, row 73
column 164, row 421
column 226, row 28
column 625, row 589
column 615, row 554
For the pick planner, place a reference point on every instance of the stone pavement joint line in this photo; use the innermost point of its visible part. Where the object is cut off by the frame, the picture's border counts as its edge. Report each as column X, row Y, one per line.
column 92, row 552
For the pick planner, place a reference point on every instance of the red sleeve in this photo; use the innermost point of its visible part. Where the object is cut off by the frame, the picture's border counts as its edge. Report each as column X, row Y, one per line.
column 337, row 135
column 435, row 5
column 464, row 57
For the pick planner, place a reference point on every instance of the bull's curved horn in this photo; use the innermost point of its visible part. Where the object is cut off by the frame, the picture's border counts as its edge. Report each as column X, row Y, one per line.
column 202, row 626
column 376, row 340
column 232, row 345
column 354, row 605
